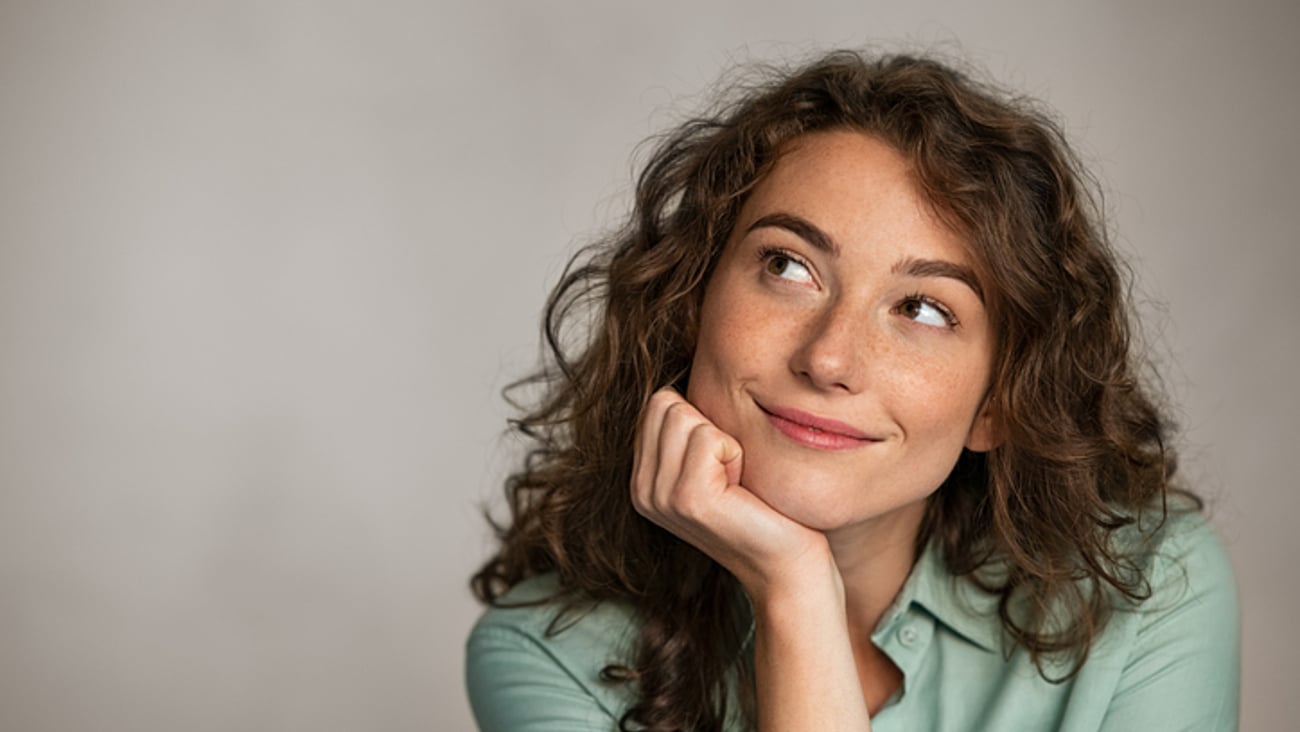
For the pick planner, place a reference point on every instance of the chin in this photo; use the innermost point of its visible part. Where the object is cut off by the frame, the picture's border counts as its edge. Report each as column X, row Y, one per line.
column 831, row 497
column 818, row 502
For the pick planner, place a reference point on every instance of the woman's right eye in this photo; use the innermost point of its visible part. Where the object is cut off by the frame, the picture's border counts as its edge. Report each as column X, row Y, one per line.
column 782, row 264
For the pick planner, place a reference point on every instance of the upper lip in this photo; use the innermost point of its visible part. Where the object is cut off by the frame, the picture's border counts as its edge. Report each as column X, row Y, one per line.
column 823, row 424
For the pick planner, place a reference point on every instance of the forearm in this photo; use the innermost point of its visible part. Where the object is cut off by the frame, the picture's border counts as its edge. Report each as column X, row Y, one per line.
column 804, row 667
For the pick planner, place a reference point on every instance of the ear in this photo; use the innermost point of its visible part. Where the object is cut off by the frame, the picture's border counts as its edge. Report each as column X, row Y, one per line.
column 984, row 433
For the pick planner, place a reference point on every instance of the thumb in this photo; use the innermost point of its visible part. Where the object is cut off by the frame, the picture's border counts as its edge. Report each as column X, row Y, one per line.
column 729, row 453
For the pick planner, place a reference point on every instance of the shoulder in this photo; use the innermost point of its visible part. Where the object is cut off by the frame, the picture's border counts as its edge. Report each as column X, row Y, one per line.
column 592, row 635
column 1189, row 584
column 1181, row 650
column 1187, row 564
column 528, row 666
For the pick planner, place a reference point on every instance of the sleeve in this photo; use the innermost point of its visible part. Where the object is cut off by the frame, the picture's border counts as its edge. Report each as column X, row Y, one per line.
column 1184, row 671
column 516, row 685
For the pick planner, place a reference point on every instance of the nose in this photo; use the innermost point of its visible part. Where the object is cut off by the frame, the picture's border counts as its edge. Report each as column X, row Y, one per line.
column 833, row 352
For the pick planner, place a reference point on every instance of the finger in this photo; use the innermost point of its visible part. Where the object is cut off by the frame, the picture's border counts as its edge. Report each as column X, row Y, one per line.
column 646, row 447
column 645, row 461
column 732, row 456
column 710, row 458
column 679, row 419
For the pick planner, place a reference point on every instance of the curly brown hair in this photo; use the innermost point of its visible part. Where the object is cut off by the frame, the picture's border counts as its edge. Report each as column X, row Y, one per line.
column 1083, row 449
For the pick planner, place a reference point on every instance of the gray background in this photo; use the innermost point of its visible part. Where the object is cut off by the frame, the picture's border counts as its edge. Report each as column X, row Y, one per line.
column 264, row 267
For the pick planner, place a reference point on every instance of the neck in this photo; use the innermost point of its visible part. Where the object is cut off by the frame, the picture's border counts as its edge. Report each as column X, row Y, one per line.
column 874, row 561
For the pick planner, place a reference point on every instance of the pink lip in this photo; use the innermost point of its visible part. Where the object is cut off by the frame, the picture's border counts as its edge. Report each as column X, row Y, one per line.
column 813, row 431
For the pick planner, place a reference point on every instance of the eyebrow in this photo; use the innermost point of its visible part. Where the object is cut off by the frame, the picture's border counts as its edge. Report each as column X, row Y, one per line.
column 911, row 266
column 914, row 267
column 800, row 227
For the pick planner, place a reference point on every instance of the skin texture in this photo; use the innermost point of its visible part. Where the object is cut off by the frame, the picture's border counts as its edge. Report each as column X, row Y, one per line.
column 839, row 296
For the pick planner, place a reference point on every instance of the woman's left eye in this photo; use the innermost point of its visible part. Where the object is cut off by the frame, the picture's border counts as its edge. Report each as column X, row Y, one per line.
column 927, row 312
column 783, row 265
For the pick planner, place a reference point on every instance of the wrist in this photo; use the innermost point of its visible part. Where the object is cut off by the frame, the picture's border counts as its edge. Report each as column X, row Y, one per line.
column 799, row 590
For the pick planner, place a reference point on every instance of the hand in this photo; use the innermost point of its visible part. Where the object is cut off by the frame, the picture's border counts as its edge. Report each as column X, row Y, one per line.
column 686, row 478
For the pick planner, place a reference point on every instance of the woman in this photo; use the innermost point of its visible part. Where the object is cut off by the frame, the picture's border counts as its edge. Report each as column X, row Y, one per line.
column 856, row 442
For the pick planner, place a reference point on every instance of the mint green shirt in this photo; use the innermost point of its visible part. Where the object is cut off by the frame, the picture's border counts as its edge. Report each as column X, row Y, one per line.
column 1173, row 663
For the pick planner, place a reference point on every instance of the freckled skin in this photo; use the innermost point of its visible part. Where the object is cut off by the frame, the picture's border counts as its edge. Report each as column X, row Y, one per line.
column 843, row 336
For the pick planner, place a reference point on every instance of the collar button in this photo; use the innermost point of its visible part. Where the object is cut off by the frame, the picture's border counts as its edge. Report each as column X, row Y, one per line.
column 908, row 635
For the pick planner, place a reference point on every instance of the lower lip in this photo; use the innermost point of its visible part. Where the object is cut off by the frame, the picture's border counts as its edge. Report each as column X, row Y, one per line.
column 809, row 437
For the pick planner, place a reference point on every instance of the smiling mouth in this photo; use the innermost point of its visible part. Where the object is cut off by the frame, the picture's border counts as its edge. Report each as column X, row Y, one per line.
column 816, row 432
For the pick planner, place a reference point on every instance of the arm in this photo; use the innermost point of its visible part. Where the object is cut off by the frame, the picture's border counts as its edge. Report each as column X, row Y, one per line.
column 686, row 479
column 1185, row 668
column 805, row 673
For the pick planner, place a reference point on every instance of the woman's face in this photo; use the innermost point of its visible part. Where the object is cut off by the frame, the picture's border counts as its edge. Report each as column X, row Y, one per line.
column 843, row 339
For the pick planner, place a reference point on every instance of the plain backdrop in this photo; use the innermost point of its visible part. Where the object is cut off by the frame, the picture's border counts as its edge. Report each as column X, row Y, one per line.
column 266, row 265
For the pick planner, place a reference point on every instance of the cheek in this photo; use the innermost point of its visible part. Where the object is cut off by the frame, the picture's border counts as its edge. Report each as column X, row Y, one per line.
column 706, row 367
column 716, row 366
column 942, row 404
column 726, row 341
column 730, row 351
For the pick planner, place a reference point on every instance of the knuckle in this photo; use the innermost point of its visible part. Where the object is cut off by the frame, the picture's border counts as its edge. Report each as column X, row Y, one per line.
column 676, row 406
column 703, row 434
column 679, row 414
column 686, row 504
column 662, row 399
column 644, row 503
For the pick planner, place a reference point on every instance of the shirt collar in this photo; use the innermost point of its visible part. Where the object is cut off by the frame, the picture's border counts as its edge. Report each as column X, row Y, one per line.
column 956, row 602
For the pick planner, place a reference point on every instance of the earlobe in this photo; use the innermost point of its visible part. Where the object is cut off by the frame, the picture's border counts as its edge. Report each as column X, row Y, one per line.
column 984, row 432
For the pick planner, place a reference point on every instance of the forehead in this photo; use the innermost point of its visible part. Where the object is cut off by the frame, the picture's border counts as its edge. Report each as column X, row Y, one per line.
column 856, row 186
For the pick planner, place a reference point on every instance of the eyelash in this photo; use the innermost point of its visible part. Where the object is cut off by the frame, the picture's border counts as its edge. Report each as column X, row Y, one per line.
column 767, row 254
column 948, row 316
